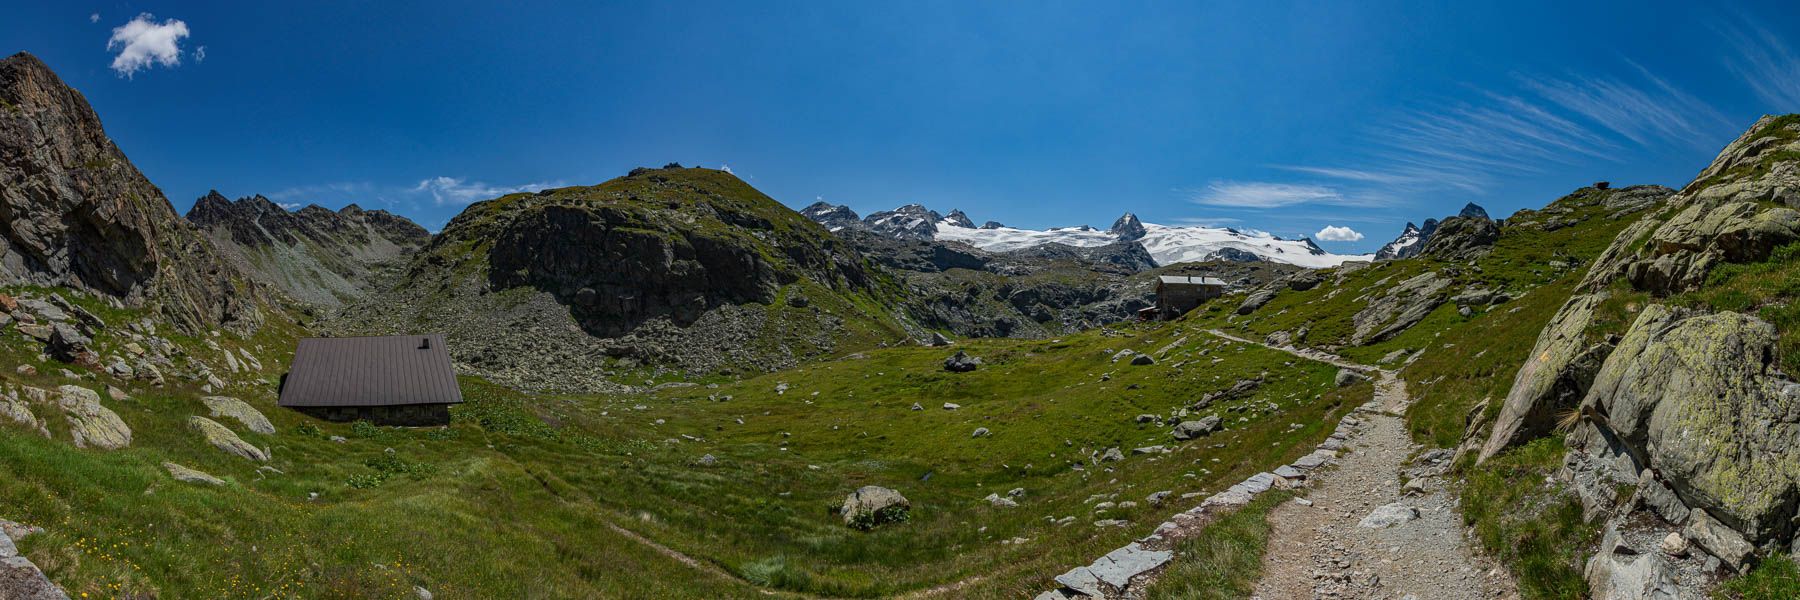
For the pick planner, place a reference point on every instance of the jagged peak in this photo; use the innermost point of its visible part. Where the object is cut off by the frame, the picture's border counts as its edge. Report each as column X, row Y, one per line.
column 1473, row 210
column 1128, row 227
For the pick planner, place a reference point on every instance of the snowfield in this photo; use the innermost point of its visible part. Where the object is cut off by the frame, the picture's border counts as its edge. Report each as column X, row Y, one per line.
column 1169, row 245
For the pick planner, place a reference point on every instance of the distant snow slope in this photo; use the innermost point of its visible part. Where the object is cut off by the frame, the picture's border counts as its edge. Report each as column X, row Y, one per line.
column 1169, row 245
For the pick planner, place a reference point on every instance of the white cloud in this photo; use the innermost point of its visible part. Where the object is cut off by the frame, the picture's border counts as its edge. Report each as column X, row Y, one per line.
column 1648, row 115
column 289, row 205
column 1258, row 194
column 447, row 191
column 1338, row 234
column 724, row 167
column 200, row 54
column 1354, row 174
column 94, row 18
column 143, row 42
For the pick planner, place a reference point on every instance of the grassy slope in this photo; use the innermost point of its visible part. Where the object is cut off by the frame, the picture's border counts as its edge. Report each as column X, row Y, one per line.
column 514, row 499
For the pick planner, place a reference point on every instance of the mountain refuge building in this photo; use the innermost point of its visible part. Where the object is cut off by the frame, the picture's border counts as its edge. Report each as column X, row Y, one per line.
column 402, row 380
column 1177, row 294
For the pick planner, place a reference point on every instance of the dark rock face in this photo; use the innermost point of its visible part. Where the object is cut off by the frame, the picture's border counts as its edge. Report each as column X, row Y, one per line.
column 1471, row 211
column 961, row 362
column 1128, row 228
column 1462, row 238
column 910, row 222
column 74, row 212
column 833, row 217
column 959, row 218
column 1130, row 255
column 992, row 225
column 1410, row 242
column 314, row 254
column 1232, row 255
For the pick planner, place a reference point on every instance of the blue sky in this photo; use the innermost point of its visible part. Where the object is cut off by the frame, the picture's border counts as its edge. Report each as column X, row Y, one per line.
column 1281, row 117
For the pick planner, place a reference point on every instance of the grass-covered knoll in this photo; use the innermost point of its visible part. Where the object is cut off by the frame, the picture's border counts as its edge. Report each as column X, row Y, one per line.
column 518, row 498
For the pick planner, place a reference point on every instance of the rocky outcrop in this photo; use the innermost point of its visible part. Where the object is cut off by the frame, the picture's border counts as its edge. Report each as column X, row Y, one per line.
column 1698, row 399
column 181, row 473
column 1556, row 375
column 910, row 222
column 1462, row 238
column 1401, row 307
column 91, row 424
column 959, row 218
column 1128, row 228
column 315, row 254
column 1473, row 211
column 1633, row 576
column 833, row 216
column 1411, row 241
column 1130, row 255
column 75, row 213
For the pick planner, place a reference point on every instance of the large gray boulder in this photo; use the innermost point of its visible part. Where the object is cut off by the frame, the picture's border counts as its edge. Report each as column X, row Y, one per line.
column 223, row 438
column 252, row 419
column 1401, row 307
column 1556, row 374
column 1188, row 430
column 872, row 506
column 1255, row 301
column 961, row 362
column 91, row 424
column 1699, row 399
column 1633, row 577
column 21, row 580
column 181, row 473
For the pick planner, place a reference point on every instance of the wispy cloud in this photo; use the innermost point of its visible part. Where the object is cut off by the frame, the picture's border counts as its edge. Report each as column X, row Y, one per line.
column 1260, row 194
column 1649, row 115
column 1765, row 63
column 1338, row 234
column 200, row 54
column 94, row 18
column 289, row 205
column 142, row 42
column 1355, row 174
column 456, row 191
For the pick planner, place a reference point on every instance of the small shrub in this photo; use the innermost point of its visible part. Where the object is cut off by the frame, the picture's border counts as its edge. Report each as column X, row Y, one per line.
column 366, row 430
column 365, row 481
column 777, row 572
column 308, row 430
column 888, row 514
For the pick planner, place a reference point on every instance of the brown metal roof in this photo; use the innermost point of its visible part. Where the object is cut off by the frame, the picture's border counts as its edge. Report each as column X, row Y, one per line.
column 371, row 371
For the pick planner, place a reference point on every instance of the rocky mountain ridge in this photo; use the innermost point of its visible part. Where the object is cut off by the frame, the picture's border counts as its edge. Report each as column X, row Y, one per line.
column 315, row 255
column 77, row 214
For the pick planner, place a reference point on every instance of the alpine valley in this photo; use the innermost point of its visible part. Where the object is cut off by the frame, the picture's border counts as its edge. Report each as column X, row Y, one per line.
column 673, row 385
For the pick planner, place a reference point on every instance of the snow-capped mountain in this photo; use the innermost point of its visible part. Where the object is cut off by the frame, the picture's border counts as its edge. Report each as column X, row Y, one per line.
column 1409, row 243
column 1167, row 244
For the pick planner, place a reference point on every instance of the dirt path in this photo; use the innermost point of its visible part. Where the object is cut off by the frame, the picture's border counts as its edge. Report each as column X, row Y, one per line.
column 1318, row 547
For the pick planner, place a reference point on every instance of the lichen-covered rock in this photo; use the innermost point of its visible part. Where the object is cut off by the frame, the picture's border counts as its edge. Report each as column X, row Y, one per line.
column 1561, row 366
column 252, row 419
column 91, row 424
column 223, row 438
column 17, row 410
column 1403, row 306
column 872, row 506
column 21, row 580
column 1188, row 430
column 1699, row 398
column 1255, row 301
column 181, row 473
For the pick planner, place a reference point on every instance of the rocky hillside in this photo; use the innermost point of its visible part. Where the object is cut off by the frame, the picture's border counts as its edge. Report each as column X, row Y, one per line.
column 75, row 213
column 314, row 254
column 673, row 268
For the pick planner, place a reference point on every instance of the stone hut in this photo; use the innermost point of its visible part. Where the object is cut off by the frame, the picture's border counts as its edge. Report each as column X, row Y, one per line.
column 388, row 380
column 1177, row 294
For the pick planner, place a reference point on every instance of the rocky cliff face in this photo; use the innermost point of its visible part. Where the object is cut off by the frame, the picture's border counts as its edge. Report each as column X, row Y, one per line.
column 1692, row 406
column 315, row 255
column 74, row 212
column 1410, row 242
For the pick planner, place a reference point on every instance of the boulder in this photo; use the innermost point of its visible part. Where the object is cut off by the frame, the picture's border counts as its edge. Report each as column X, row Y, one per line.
column 1143, row 359
column 1700, row 399
column 68, row 345
column 980, row 432
column 1389, row 515
column 1110, row 574
column 91, row 424
column 21, row 580
column 1558, row 372
column 998, row 501
column 1673, row 545
column 1718, row 540
column 1188, row 430
column 224, row 439
column 1112, row 455
column 1633, row 577
column 961, row 362
column 938, row 340
column 1255, row 301
column 1660, row 499
column 252, row 419
column 1346, row 377
column 181, row 473
column 872, row 506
